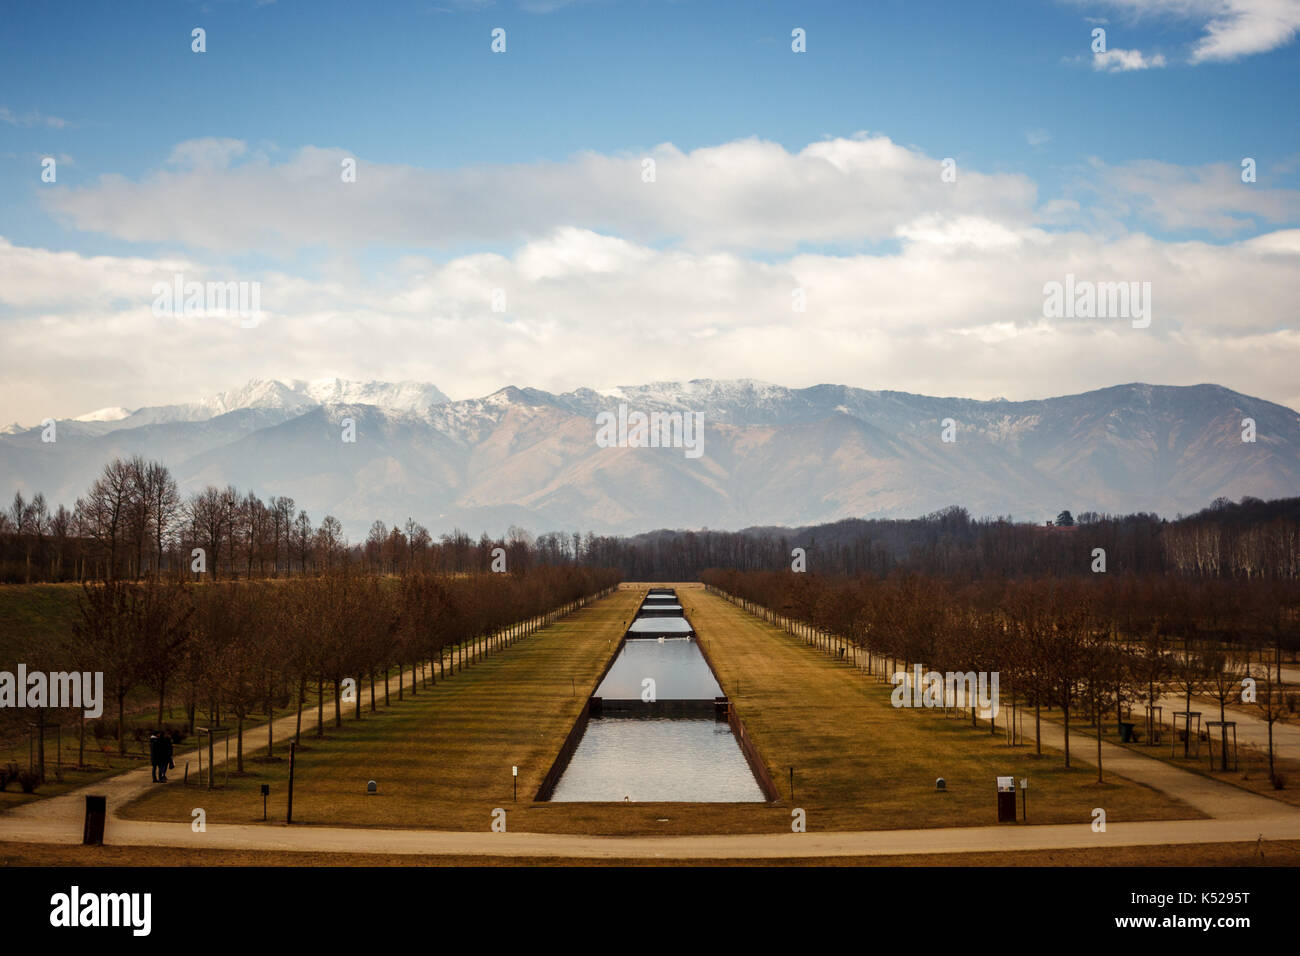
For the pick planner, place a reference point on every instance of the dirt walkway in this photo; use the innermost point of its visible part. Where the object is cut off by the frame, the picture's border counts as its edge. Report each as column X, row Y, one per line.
column 773, row 845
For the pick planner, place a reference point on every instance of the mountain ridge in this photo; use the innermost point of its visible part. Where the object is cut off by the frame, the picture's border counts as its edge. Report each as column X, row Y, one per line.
column 772, row 455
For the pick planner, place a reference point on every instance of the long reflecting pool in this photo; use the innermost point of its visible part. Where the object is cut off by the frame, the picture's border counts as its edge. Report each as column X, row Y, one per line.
column 679, row 670
column 639, row 757
column 658, row 758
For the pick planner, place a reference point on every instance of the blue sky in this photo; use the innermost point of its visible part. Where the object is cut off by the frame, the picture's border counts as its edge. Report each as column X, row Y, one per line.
column 1011, row 90
column 419, row 85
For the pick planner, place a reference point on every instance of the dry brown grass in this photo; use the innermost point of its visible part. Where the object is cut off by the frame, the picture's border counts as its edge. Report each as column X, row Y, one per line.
column 443, row 759
column 862, row 764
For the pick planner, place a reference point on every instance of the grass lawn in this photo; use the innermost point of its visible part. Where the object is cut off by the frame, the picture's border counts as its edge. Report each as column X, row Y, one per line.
column 31, row 614
column 443, row 758
column 863, row 764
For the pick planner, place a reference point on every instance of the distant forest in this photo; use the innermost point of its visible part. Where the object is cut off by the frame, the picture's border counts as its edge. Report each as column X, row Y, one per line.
column 133, row 523
column 1246, row 539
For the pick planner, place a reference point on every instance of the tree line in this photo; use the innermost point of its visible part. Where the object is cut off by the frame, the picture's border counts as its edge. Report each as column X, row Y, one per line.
column 1093, row 648
column 134, row 523
column 1249, row 539
column 223, row 650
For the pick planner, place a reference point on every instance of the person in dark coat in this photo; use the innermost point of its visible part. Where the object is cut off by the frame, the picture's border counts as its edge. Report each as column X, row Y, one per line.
column 165, row 762
column 155, row 747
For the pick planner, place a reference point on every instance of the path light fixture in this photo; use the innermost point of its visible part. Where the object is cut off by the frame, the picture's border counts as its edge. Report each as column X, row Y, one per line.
column 372, row 787
column 514, row 773
column 266, row 790
column 941, row 785
column 1024, row 798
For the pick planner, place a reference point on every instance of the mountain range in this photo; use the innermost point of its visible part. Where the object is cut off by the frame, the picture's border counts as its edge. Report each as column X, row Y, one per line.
column 771, row 455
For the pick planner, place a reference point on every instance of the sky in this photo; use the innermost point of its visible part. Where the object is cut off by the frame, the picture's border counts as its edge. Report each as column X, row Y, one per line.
column 645, row 190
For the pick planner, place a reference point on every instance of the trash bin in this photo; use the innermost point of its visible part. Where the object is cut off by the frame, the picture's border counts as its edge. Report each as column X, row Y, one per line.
column 92, row 833
column 1126, row 733
column 1006, row 799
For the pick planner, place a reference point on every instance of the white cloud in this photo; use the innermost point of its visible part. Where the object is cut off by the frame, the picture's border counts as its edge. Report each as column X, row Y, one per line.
column 750, row 194
column 1122, row 61
column 206, row 154
column 1243, row 27
column 960, row 231
column 611, row 280
column 958, row 310
column 57, row 282
column 1210, row 197
column 1232, row 28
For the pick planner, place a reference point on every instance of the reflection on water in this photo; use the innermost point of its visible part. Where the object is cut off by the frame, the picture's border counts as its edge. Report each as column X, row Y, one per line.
column 658, row 759
column 677, row 666
column 647, row 628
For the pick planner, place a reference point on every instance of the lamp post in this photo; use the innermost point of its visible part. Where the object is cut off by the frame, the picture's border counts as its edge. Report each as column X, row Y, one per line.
column 293, row 750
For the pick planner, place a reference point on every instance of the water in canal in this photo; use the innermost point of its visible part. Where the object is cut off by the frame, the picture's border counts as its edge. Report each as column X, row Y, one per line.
column 687, row 759
column 658, row 758
column 676, row 665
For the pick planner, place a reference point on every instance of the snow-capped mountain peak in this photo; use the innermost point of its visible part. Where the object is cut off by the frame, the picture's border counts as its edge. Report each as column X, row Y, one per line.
column 404, row 396
column 113, row 413
column 274, row 396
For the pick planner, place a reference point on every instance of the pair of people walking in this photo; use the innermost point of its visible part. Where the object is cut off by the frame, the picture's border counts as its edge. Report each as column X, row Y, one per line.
column 160, row 756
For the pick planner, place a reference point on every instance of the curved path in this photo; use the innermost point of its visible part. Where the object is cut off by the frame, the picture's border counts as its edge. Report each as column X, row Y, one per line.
column 1236, row 816
column 740, row 846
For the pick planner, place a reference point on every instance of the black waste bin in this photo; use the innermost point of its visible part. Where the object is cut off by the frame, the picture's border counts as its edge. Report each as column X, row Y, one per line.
column 96, row 809
column 1126, row 733
column 1006, row 799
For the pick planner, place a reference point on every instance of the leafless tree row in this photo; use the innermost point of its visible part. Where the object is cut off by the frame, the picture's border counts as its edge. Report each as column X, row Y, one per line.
column 1094, row 648
column 133, row 523
column 221, row 651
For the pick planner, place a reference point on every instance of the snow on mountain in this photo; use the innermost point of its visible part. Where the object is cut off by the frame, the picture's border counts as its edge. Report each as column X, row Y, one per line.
column 771, row 454
column 720, row 400
column 402, row 396
column 288, row 399
column 113, row 414
column 257, row 394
